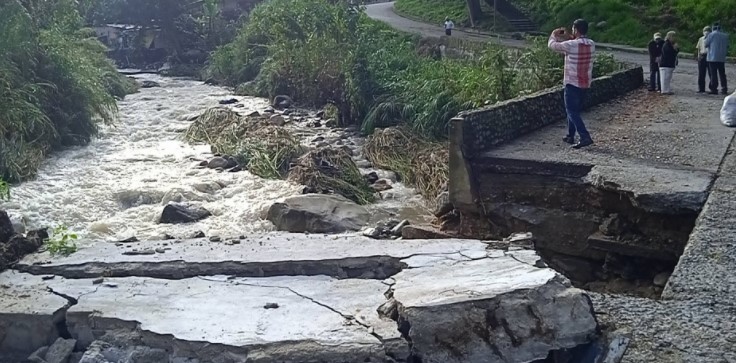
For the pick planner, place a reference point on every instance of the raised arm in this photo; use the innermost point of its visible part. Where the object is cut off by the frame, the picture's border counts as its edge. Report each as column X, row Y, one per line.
column 556, row 44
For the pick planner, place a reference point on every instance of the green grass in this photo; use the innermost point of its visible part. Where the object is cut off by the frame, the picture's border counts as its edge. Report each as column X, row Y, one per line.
column 435, row 11
column 378, row 78
column 634, row 22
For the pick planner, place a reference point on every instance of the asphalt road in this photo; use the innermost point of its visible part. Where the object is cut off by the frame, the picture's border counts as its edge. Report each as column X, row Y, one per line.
column 385, row 12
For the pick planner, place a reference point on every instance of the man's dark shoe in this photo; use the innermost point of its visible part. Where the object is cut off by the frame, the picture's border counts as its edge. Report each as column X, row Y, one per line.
column 583, row 143
column 724, row 92
column 713, row 92
column 701, row 91
column 569, row 139
column 652, row 90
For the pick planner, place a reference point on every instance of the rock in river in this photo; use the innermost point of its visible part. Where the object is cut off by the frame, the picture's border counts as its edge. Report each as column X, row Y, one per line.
column 6, row 227
column 175, row 213
column 217, row 162
column 318, row 213
column 422, row 232
column 149, row 84
column 282, row 102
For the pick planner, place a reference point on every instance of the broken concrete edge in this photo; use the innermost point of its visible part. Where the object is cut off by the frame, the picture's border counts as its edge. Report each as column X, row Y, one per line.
column 651, row 189
column 369, row 267
column 271, row 255
column 494, row 335
column 96, row 318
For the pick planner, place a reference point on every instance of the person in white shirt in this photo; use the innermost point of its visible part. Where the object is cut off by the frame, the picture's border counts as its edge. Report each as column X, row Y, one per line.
column 702, row 56
column 449, row 25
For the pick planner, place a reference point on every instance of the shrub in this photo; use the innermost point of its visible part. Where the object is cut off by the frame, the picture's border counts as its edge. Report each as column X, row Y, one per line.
column 61, row 242
column 417, row 162
column 55, row 84
column 332, row 170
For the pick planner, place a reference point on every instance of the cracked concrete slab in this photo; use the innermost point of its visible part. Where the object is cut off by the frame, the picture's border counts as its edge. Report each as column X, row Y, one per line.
column 344, row 256
column 323, row 318
column 266, row 318
column 28, row 313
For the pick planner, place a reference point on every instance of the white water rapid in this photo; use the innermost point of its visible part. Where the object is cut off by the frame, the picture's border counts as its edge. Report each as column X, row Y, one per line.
column 116, row 187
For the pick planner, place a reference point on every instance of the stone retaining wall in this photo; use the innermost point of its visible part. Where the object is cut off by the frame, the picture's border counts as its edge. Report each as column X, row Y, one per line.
column 487, row 127
column 474, row 132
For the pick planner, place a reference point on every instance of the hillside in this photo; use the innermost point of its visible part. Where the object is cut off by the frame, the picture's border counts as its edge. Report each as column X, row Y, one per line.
column 630, row 22
column 633, row 22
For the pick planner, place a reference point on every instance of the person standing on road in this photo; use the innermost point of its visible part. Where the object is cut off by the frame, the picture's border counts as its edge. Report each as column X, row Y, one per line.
column 579, row 53
column 655, row 54
column 717, row 44
column 667, row 66
column 449, row 25
column 701, row 55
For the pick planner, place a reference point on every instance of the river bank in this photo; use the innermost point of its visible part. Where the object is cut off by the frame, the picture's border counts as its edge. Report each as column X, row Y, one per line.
column 116, row 187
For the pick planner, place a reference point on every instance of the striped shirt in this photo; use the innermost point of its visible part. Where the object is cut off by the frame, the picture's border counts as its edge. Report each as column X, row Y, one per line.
column 579, row 55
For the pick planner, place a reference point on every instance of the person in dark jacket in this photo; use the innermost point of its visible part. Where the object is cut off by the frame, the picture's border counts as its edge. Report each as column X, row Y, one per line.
column 655, row 53
column 668, row 62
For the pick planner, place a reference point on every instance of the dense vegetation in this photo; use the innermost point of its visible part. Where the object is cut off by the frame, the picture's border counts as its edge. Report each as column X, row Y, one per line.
column 188, row 30
column 321, row 53
column 55, row 83
column 634, row 21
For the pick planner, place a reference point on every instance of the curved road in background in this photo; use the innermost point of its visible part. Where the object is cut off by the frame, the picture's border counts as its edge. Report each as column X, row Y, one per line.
column 385, row 12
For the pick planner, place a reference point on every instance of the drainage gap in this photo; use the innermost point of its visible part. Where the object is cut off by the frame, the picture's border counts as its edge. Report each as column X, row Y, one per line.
column 602, row 237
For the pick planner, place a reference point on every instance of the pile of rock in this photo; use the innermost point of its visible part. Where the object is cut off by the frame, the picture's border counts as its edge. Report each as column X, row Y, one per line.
column 390, row 229
column 377, row 184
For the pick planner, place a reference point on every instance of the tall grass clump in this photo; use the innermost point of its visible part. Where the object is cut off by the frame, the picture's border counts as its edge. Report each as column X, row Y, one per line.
column 55, row 84
column 265, row 150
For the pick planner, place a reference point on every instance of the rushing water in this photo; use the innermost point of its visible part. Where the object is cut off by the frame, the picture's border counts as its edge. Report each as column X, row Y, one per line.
column 116, row 186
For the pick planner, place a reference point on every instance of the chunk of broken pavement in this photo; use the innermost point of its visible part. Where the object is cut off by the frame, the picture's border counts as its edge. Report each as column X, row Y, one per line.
column 519, row 315
column 60, row 351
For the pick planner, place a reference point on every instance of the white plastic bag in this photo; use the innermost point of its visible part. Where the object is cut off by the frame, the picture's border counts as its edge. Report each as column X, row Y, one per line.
column 728, row 111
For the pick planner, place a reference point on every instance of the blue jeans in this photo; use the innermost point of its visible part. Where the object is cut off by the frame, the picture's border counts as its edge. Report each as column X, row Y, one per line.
column 573, row 106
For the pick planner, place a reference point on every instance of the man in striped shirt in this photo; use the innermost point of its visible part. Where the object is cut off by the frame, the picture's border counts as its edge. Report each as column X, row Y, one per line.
column 579, row 52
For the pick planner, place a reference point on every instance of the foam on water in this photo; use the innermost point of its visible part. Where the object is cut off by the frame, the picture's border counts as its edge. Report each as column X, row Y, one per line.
column 116, row 186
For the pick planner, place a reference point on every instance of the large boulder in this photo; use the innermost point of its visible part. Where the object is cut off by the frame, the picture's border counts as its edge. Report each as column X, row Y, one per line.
column 6, row 227
column 317, row 213
column 176, row 213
